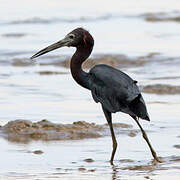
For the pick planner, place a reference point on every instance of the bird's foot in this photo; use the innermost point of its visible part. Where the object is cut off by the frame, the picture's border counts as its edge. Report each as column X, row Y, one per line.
column 157, row 160
column 111, row 162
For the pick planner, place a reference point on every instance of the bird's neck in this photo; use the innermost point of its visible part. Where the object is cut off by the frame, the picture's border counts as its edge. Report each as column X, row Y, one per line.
column 80, row 76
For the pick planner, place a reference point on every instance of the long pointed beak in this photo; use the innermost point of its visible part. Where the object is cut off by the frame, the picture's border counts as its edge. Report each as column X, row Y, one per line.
column 59, row 44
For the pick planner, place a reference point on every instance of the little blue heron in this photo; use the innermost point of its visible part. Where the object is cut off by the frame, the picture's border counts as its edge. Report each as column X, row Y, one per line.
column 115, row 90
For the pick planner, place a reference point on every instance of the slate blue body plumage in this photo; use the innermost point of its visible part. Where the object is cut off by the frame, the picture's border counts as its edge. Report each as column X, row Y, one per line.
column 116, row 91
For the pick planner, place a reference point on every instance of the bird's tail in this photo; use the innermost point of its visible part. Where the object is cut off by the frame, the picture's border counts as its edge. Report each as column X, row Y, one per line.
column 138, row 107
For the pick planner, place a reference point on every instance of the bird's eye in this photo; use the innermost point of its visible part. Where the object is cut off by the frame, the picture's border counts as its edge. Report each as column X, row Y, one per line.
column 71, row 36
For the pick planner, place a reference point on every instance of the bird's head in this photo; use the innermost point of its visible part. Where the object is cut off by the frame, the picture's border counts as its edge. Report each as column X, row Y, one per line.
column 77, row 38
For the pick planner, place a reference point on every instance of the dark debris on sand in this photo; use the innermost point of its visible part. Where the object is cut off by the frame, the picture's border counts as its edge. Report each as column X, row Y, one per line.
column 89, row 160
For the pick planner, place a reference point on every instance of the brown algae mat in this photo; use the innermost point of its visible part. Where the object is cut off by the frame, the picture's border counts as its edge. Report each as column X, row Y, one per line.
column 161, row 89
column 115, row 60
column 25, row 131
column 162, row 17
column 112, row 60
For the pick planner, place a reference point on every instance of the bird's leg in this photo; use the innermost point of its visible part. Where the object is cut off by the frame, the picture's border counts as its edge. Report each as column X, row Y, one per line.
column 109, row 120
column 147, row 140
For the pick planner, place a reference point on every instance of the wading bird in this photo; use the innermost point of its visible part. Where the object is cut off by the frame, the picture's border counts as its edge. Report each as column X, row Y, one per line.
column 115, row 90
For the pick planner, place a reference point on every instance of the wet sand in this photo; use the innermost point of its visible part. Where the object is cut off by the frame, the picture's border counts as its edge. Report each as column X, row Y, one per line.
column 13, row 35
column 23, row 131
column 162, row 17
column 161, row 89
column 116, row 60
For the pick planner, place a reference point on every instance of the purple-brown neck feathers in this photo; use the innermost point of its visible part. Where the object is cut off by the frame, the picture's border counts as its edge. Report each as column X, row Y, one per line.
column 84, row 48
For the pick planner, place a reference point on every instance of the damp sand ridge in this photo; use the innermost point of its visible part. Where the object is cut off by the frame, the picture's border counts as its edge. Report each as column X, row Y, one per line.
column 25, row 131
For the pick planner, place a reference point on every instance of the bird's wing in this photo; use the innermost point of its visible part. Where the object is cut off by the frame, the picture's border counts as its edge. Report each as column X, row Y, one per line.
column 112, row 88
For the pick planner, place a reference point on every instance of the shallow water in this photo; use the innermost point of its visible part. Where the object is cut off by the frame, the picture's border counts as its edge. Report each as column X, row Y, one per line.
column 148, row 50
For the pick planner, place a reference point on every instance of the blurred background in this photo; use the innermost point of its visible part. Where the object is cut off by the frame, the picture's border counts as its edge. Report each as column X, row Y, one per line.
column 137, row 36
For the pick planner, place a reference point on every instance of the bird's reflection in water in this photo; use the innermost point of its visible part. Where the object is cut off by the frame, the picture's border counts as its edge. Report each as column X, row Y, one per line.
column 115, row 172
